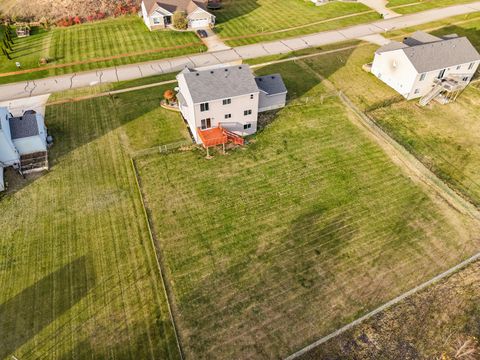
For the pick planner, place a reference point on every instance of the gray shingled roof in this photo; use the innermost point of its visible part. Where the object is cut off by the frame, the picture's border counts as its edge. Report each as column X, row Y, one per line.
column 271, row 84
column 441, row 54
column 221, row 83
column 394, row 45
column 25, row 126
column 419, row 38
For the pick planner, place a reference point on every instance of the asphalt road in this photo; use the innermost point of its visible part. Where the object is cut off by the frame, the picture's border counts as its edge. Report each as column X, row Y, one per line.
column 134, row 71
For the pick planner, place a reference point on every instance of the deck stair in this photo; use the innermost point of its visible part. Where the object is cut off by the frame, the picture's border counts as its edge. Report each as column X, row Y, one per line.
column 234, row 138
column 34, row 162
column 446, row 89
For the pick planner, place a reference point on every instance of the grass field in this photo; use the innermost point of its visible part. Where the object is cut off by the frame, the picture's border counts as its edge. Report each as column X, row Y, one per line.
column 422, row 5
column 305, row 229
column 239, row 20
column 78, row 274
column 438, row 323
column 103, row 39
column 445, row 138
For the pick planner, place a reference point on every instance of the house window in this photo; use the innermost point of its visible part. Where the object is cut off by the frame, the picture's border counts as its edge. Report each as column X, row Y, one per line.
column 206, row 123
column 470, row 67
column 458, row 67
column 251, row 96
column 228, row 116
column 227, row 101
column 422, row 77
column 247, row 112
column 156, row 21
column 247, row 126
column 204, row 107
column 417, row 91
column 466, row 78
column 441, row 74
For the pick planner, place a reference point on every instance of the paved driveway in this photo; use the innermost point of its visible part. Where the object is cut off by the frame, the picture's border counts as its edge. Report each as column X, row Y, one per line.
column 380, row 6
column 19, row 106
column 213, row 41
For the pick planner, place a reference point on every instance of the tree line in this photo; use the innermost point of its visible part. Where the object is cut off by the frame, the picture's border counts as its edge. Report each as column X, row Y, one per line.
column 6, row 40
column 66, row 11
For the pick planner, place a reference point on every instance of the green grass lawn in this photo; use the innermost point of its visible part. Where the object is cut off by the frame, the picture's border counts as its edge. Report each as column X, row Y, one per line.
column 422, row 5
column 247, row 17
column 303, row 230
column 78, row 273
column 445, row 138
column 96, row 40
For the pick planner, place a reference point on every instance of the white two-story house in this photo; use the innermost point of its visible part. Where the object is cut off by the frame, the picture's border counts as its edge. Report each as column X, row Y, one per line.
column 227, row 97
column 414, row 67
column 23, row 142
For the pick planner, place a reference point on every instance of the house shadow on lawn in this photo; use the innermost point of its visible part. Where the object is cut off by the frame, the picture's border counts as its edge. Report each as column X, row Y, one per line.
column 15, row 182
column 298, row 81
column 232, row 9
column 30, row 311
column 471, row 33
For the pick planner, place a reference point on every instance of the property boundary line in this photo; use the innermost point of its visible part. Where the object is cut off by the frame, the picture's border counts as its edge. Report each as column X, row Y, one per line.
column 161, row 270
column 385, row 306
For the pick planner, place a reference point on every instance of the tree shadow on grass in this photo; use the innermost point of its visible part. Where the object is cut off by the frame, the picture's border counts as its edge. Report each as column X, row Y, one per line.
column 232, row 9
column 29, row 312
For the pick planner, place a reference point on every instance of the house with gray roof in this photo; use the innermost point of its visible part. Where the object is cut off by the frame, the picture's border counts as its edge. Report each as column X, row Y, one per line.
column 426, row 66
column 23, row 142
column 158, row 14
column 230, row 97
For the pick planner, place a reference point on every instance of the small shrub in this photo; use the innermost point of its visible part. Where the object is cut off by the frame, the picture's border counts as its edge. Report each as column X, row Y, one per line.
column 180, row 20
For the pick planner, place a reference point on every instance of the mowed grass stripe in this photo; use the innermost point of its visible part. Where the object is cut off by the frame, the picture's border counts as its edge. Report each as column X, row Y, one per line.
column 307, row 228
column 92, row 212
column 107, row 38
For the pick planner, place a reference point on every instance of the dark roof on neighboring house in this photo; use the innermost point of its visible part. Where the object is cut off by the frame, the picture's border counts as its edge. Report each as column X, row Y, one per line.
column 271, row 84
column 220, row 83
column 187, row 6
column 441, row 54
column 25, row 126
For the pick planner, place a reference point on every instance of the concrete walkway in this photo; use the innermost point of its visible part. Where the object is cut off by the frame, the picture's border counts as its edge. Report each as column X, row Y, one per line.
column 135, row 71
column 380, row 6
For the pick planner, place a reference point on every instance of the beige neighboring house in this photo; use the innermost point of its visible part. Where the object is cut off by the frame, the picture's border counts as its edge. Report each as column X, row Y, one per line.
column 426, row 66
column 158, row 14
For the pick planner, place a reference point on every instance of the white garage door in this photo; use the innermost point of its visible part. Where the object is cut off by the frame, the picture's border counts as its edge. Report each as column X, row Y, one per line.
column 199, row 23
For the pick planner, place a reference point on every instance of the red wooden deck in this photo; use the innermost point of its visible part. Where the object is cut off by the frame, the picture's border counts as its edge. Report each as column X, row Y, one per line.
column 218, row 136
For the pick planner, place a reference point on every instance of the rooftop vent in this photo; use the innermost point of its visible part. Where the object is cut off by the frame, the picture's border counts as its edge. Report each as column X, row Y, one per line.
column 211, row 72
column 197, row 74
